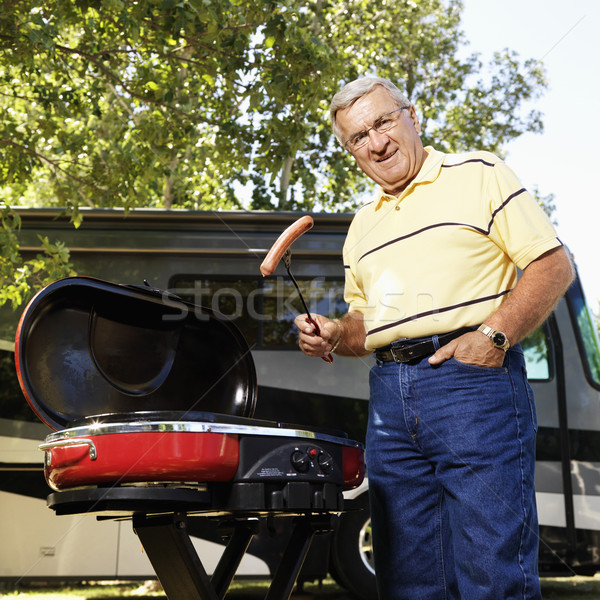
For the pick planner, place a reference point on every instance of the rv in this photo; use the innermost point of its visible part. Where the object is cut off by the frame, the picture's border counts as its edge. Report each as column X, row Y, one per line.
column 213, row 259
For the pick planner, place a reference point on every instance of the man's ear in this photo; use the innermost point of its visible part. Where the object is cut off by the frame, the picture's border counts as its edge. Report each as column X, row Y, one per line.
column 413, row 115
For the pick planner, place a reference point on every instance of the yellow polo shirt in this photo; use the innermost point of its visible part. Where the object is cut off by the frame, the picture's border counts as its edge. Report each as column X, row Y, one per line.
column 444, row 253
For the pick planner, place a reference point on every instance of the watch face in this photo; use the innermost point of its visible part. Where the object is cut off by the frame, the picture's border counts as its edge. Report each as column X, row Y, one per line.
column 499, row 339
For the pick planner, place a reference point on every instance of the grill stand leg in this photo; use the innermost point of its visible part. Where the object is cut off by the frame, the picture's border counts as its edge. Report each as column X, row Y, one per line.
column 174, row 557
column 182, row 575
column 232, row 556
column 287, row 572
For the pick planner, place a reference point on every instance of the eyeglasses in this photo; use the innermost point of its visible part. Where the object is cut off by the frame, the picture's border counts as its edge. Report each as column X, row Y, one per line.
column 383, row 124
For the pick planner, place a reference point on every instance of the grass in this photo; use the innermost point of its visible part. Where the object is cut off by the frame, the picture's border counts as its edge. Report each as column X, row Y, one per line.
column 560, row 588
column 571, row 588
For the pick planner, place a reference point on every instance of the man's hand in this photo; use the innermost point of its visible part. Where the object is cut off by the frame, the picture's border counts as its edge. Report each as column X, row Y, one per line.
column 473, row 348
column 312, row 344
column 352, row 342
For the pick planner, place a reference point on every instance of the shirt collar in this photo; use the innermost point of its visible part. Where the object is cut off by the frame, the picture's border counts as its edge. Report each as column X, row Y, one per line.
column 427, row 174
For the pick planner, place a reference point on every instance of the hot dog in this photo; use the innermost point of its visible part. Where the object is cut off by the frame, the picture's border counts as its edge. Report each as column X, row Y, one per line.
column 283, row 242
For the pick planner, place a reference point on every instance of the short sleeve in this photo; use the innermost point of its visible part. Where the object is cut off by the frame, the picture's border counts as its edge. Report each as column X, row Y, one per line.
column 518, row 224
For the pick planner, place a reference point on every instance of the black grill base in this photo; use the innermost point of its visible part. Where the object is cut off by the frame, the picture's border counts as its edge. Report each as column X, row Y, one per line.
column 254, row 498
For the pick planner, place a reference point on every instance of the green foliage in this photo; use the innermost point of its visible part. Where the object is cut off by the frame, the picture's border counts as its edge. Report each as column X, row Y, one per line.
column 20, row 277
column 546, row 202
column 184, row 103
column 153, row 103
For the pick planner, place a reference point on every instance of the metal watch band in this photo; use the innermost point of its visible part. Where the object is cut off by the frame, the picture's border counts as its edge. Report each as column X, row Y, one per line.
column 498, row 338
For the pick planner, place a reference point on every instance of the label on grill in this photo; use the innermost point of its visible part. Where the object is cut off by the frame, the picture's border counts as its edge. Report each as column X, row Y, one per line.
column 270, row 472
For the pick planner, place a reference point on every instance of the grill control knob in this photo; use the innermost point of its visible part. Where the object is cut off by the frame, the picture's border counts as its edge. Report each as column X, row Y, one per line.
column 325, row 462
column 300, row 461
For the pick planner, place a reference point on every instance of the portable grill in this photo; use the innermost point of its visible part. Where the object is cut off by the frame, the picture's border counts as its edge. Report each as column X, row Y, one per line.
column 151, row 401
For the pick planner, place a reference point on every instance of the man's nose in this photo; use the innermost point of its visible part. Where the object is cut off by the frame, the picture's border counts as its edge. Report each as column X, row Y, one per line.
column 377, row 140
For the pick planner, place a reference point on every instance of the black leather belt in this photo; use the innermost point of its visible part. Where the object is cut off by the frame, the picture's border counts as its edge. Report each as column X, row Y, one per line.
column 404, row 350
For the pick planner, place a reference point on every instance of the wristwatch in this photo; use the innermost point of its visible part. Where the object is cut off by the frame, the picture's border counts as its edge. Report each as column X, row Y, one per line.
column 498, row 338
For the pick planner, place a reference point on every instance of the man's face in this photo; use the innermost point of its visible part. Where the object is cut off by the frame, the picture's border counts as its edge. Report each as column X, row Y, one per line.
column 391, row 159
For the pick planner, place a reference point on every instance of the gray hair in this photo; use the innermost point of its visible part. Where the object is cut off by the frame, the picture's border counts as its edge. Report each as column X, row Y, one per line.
column 356, row 89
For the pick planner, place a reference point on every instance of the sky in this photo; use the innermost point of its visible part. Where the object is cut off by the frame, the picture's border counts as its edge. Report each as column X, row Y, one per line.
column 562, row 161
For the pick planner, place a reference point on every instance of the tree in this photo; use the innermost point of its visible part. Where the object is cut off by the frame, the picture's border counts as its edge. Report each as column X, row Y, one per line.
column 167, row 103
column 149, row 103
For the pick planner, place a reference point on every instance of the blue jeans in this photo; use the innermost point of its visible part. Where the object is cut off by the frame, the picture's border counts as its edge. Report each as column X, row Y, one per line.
column 450, row 457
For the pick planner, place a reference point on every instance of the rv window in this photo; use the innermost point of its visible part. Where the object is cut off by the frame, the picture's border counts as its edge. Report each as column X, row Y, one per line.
column 535, row 348
column 12, row 402
column 586, row 331
column 263, row 310
column 282, row 305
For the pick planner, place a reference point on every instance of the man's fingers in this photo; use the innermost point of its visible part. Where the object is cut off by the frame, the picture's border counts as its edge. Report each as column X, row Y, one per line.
column 444, row 353
column 471, row 349
column 309, row 341
column 304, row 325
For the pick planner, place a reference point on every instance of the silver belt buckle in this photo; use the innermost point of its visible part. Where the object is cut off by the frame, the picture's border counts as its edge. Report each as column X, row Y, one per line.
column 393, row 352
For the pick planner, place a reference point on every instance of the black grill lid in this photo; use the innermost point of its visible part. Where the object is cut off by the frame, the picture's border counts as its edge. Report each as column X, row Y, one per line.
column 86, row 347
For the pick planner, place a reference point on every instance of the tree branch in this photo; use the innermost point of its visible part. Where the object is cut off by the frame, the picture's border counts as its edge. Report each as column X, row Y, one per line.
column 54, row 164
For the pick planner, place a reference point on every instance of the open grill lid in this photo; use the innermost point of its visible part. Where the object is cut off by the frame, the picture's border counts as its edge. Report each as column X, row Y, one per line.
column 86, row 347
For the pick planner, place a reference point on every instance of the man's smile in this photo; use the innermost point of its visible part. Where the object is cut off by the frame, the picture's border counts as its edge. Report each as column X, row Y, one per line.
column 386, row 156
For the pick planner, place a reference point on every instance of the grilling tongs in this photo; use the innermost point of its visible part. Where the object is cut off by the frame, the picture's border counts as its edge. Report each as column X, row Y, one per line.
column 281, row 250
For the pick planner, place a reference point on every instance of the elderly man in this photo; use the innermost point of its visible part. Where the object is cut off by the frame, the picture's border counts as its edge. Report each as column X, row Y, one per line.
column 431, row 282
